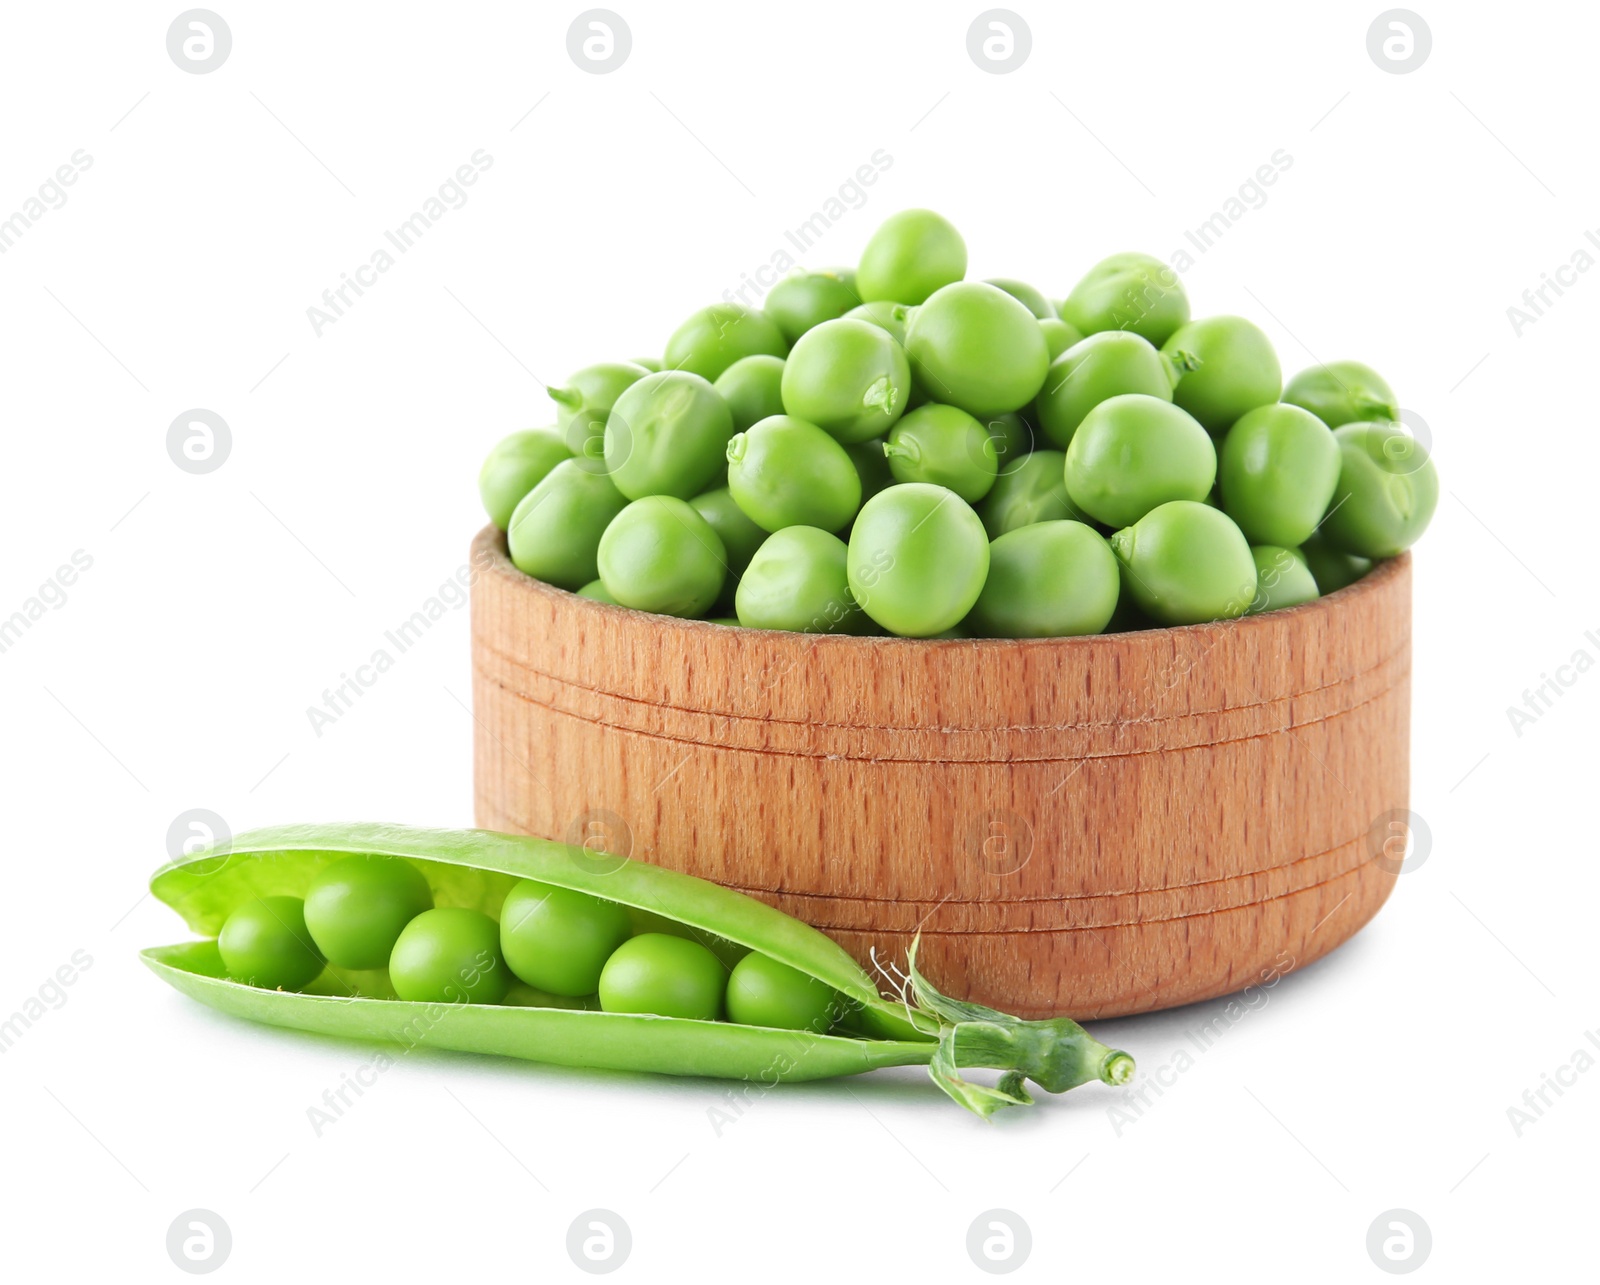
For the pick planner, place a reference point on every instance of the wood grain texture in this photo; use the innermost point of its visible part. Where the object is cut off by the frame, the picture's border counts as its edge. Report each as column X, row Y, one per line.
column 1092, row 826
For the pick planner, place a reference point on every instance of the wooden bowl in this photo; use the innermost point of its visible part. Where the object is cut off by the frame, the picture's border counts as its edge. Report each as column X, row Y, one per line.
column 1089, row 826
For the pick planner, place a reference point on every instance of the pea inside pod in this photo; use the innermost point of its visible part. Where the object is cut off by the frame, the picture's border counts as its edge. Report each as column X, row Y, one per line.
column 450, row 955
column 265, row 943
column 357, row 908
column 451, row 975
column 558, row 940
column 763, row 992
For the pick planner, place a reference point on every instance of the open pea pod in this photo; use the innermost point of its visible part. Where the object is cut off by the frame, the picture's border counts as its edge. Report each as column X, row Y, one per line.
column 476, row 868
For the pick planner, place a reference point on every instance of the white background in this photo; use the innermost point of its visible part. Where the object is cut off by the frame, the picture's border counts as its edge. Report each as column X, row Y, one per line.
column 178, row 672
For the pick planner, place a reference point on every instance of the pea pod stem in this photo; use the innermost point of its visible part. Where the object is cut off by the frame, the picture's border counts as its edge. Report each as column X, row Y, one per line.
column 476, row 869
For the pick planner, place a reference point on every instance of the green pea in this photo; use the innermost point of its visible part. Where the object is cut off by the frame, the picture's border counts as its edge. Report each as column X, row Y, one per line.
column 799, row 581
column 871, row 467
column 912, row 254
column 666, row 436
column 886, row 315
column 1026, row 295
column 945, row 446
column 1058, row 336
column 728, row 953
column 1226, row 367
column 787, row 472
column 806, row 299
column 659, row 555
column 664, row 975
column 918, row 558
column 1388, row 489
column 1333, row 568
column 652, row 364
column 1282, row 578
column 264, row 942
column 976, row 347
column 596, row 589
column 1343, row 392
column 1109, row 364
column 558, row 940
column 848, row 377
column 555, row 532
column 763, row 992
column 1127, row 618
column 1185, row 563
column 730, row 621
column 1277, row 469
column 1048, row 580
column 585, row 438
column 1134, row 292
column 589, row 395
column 356, row 908
column 1034, row 491
column 515, row 466
column 450, row 955
column 1133, row 453
column 739, row 535
column 1014, row 440
column 752, row 387
column 714, row 338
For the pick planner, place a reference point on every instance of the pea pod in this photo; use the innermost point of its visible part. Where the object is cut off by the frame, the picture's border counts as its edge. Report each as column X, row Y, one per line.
column 475, row 869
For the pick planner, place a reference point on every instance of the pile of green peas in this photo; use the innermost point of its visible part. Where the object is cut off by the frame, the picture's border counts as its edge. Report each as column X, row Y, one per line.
column 899, row 450
column 551, row 947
